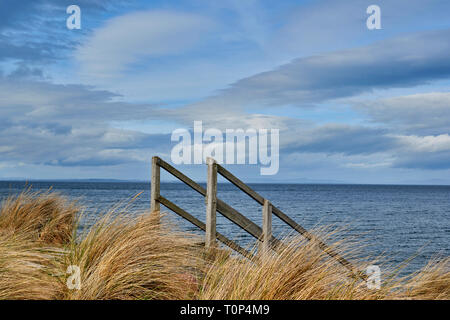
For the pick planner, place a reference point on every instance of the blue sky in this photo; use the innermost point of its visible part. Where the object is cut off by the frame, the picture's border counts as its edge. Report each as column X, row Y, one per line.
column 353, row 105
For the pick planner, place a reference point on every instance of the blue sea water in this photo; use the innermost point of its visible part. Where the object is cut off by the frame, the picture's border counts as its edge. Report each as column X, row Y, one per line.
column 397, row 221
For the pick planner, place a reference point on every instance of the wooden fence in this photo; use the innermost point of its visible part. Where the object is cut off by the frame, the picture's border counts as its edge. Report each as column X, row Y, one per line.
column 214, row 205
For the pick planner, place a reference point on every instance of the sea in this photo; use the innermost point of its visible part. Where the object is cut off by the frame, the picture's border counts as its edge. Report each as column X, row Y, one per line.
column 400, row 223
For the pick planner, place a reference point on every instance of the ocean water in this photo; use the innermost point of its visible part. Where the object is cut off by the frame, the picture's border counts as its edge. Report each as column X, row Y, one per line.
column 399, row 222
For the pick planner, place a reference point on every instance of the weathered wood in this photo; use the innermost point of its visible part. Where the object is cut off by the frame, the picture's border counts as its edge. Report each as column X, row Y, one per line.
column 227, row 211
column 177, row 174
column 211, row 204
column 246, row 224
column 239, row 219
column 267, row 226
column 260, row 199
column 182, row 213
column 236, row 217
column 155, row 186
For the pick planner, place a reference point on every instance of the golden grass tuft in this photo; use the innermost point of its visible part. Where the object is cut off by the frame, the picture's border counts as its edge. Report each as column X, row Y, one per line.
column 27, row 271
column 302, row 271
column 43, row 217
column 136, row 257
column 298, row 271
column 430, row 283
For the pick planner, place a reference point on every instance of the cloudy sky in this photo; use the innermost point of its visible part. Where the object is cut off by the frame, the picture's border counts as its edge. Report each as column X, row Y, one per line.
column 352, row 105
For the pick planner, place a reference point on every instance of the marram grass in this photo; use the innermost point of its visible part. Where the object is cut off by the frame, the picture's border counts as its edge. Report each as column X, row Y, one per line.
column 125, row 256
column 134, row 258
column 41, row 217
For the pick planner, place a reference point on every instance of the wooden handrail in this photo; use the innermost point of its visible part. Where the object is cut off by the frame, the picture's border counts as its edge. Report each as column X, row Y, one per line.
column 211, row 204
column 227, row 211
column 283, row 217
column 202, row 226
column 215, row 204
column 241, row 185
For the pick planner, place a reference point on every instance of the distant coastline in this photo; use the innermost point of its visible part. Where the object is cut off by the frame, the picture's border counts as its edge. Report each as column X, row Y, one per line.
column 307, row 182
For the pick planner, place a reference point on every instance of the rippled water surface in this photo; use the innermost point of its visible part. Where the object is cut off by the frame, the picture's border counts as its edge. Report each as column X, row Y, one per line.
column 398, row 221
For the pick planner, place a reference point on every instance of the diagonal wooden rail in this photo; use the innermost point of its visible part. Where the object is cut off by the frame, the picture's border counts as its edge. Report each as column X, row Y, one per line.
column 213, row 205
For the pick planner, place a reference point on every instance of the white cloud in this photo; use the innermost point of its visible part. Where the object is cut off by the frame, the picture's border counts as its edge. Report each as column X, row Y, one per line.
column 322, row 25
column 426, row 144
column 129, row 38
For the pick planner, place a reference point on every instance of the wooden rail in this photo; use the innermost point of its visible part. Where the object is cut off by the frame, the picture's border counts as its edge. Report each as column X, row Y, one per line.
column 214, row 205
column 170, row 205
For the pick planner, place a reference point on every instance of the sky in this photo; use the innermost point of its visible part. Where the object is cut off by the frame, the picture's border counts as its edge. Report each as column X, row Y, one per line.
column 352, row 105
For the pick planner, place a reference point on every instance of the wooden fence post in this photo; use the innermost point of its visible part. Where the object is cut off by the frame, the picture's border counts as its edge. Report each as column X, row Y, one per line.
column 267, row 226
column 211, row 203
column 155, row 186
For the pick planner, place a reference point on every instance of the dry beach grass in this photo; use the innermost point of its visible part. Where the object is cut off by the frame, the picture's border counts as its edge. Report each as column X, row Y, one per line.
column 137, row 257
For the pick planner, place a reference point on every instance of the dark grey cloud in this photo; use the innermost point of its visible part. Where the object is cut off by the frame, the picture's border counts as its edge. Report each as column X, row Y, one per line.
column 82, row 146
column 40, row 102
column 426, row 114
column 340, row 139
column 425, row 160
column 78, row 146
column 400, row 62
column 70, row 125
column 385, row 147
